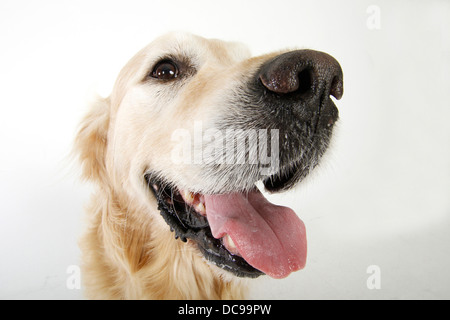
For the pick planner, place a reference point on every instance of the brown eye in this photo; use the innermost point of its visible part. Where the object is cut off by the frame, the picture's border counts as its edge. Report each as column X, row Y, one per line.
column 165, row 70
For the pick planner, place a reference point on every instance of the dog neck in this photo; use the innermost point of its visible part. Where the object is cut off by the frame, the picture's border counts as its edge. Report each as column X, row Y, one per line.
column 126, row 255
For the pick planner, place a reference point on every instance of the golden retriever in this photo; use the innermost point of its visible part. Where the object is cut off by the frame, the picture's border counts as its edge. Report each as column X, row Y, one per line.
column 176, row 152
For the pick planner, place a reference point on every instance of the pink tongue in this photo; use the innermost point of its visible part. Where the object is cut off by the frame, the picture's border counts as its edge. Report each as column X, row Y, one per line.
column 270, row 238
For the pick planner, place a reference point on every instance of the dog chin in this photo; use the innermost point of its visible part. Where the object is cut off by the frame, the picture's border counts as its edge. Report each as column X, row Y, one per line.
column 226, row 276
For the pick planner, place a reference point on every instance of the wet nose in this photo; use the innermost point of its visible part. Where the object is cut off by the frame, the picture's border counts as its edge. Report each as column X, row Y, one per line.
column 307, row 73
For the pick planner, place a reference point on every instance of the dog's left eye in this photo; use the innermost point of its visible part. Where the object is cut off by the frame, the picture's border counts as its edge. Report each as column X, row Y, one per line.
column 165, row 70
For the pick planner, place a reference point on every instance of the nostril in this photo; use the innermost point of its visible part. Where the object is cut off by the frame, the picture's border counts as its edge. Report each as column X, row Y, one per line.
column 279, row 81
column 337, row 87
column 303, row 74
column 304, row 81
column 290, row 81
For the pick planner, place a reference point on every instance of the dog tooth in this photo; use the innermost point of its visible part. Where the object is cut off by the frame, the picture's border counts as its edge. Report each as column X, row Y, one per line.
column 188, row 196
column 200, row 208
column 229, row 244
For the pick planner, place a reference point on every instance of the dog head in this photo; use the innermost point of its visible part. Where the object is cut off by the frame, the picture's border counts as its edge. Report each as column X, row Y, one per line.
column 193, row 124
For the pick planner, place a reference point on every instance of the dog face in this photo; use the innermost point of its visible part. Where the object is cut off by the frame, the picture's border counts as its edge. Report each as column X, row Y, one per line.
column 193, row 124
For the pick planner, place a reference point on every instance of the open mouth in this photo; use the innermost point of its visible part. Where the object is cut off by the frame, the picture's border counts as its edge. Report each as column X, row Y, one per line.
column 240, row 232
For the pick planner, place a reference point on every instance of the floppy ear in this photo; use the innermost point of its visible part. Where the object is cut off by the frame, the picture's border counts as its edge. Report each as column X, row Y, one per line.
column 91, row 141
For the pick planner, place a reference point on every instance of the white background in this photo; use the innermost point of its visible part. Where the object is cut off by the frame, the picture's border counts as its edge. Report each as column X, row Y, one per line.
column 382, row 197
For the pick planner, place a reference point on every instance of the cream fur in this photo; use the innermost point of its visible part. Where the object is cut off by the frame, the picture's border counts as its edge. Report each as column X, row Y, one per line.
column 128, row 250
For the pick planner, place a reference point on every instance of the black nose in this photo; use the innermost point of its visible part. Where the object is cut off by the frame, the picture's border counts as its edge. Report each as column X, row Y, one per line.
column 311, row 74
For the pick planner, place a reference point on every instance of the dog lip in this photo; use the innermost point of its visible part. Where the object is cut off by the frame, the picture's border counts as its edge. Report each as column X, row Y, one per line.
column 283, row 179
column 196, row 228
column 178, row 208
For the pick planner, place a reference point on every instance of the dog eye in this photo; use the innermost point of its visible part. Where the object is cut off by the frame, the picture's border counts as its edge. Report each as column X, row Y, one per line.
column 165, row 70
